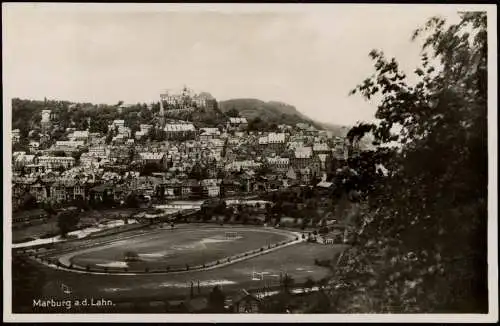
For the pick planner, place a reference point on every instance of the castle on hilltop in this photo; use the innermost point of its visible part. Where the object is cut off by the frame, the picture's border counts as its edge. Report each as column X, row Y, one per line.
column 185, row 100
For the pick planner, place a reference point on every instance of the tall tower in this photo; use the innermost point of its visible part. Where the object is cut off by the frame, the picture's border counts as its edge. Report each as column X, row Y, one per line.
column 163, row 97
column 46, row 121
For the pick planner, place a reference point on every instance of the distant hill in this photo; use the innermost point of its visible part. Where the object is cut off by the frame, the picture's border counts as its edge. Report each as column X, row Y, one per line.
column 338, row 130
column 275, row 112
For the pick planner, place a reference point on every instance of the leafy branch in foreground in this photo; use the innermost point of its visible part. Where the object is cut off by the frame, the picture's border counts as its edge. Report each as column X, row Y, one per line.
column 421, row 244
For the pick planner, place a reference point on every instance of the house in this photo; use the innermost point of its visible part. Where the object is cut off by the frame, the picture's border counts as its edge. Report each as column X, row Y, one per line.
column 119, row 154
column 315, row 165
column 58, row 192
column 22, row 160
column 325, row 161
column 189, row 187
column 98, row 151
column 179, row 131
column 79, row 135
column 275, row 141
column 16, row 135
column 34, row 145
column 237, row 123
column 153, row 158
column 140, row 134
column 291, row 174
column 145, row 128
column 87, row 160
column 242, row 165
column 172, row 188
column 229, row 186
column 70, row 143
column 306, row 175
column 118, row 123
column 125, row 131
column 246, row 303
column 302, row 157
column 209, row 133
column 211, row 187
column 118, row 139
column 102, row 191
column 52, row 162
column 39, row 191
column 280, row 164
column 321, row 148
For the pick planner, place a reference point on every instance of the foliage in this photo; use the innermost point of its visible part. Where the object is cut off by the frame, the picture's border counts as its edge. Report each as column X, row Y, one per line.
column 271, row 112
column 131, row 256
column 29, row 202
column 287, row 281
column 233, row 113
column 26, row 281
column 67, row 220
column 216, row 300
column 198, row 172
column 132, row 201
column 407, row 258
column 309, row 283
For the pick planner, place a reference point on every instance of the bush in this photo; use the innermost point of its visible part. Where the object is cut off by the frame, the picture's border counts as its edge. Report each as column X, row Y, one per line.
column 322, row 263
column 131, row 256
column 261, row 249
column 87, row 267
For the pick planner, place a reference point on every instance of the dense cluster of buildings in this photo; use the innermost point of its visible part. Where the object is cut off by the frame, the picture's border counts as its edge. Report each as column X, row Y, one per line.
column 190, row 162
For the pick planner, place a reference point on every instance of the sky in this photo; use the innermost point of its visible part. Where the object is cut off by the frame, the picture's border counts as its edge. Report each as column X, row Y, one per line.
column 309, row 56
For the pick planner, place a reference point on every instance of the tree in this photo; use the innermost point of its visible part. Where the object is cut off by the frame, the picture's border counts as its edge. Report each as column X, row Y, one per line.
column 132, row 201
column 26, row 280
column 436, row 193
column 29, row 202
column 233, row 112
column 67, row 220
column 76, row 155
column 287, row 282
column 109, row 138
column 216, row 300
column 198, row 172
column 151, row 167
column 309, row 283
column 131, row 256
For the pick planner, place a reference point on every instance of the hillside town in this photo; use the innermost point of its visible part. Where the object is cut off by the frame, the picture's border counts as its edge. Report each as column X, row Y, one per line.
column 225, row 199
column 188, row 163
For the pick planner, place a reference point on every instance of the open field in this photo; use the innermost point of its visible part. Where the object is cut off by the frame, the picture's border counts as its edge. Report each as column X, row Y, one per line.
column 297, row 260
column 177, row 248
column 49, row 227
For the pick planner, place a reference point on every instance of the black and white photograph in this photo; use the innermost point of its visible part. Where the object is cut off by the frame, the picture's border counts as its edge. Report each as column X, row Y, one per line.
column 249, row 162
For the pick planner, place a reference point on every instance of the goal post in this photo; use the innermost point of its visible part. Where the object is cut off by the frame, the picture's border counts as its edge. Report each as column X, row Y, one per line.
column 231, row 235
column 257, row 276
